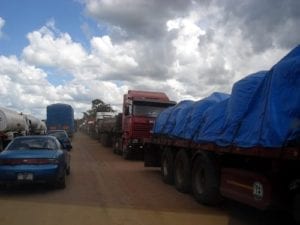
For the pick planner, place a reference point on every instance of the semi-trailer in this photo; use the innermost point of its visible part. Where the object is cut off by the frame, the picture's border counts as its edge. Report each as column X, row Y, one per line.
column 60, row 117
column 140, row 108
column 126, row 131
column 244, row 146
column 107, row 127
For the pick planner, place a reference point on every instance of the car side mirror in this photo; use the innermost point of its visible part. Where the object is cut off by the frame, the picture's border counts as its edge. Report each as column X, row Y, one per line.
column 65, row 146
column 68, row 147
column 127, row 110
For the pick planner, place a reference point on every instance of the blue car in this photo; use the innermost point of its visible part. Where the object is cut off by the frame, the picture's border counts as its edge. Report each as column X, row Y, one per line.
column 63, row 138
column 35, row 159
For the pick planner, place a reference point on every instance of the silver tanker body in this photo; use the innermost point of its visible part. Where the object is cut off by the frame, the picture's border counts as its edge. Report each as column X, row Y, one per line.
column 11, row 121
column 11, row 124
column 36, row 125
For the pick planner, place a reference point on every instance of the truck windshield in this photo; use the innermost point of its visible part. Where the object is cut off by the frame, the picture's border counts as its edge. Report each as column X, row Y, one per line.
column 148, row 110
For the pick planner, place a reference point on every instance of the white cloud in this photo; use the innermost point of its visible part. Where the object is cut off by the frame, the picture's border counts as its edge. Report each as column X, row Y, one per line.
column 199, row 44
column 25, row 88
column 48, row 49
column 187, row 49
column 2, row 23
column 113, row 62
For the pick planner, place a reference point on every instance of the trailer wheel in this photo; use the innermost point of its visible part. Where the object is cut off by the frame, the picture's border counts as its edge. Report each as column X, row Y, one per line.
column 125, row 152
column 104, row 140
column 182, row 172
column 206, row 180
column 167, row 166
column 116, row 147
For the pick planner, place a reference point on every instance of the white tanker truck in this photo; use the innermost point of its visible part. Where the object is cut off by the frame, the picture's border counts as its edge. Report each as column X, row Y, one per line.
column 36, row 126
column 14, row 124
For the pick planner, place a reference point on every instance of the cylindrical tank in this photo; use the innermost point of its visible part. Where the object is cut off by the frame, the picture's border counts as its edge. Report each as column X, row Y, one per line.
column 33, row 122
column 36, row 125
column 41, row 128
column 11, row 120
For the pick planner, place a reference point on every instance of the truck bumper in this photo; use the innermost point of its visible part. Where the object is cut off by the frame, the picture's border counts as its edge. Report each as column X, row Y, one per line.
column 136, row 149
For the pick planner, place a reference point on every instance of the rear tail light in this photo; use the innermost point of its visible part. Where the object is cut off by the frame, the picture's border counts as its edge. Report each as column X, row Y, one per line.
column 27, row 161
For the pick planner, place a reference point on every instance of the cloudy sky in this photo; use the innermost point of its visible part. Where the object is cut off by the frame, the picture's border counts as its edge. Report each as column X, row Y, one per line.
column 73, row 51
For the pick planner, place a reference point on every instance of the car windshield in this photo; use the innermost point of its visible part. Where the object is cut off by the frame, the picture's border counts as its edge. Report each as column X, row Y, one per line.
column 32, row 144
column 60, row 135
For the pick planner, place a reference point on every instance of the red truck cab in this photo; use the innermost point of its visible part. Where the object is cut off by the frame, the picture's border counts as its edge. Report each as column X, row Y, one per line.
column 140, row 108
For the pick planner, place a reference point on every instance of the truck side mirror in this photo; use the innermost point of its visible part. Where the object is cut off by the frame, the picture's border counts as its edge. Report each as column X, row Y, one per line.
column 126, row 110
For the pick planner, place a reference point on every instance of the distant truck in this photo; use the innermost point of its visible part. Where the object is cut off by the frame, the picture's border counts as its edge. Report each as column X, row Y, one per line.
column 60, row 117
column 108, row 127
column 244, row 146
column 127, row 130
column 140, row 108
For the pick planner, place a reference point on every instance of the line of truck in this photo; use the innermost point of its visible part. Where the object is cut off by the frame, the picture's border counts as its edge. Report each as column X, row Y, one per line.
column 243, row 147
column 126, row 131
column 59, row 117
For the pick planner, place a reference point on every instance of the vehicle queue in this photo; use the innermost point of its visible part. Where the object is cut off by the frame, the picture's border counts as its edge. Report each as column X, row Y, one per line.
column 31, row 154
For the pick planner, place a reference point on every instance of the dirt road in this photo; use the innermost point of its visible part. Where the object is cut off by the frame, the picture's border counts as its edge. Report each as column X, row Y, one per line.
column 105, row 189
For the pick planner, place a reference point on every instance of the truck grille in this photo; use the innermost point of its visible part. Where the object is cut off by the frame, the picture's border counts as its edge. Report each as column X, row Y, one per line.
column 141, row 130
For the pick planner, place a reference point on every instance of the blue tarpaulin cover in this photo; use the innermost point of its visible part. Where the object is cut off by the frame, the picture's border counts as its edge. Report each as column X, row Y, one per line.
column 192, row 118
column 166, row 121
column 262, row 110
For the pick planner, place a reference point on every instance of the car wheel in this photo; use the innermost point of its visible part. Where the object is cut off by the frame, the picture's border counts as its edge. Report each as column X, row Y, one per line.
column 296, row 208
column 3, row 186
column 68, row 170
column 61, row 181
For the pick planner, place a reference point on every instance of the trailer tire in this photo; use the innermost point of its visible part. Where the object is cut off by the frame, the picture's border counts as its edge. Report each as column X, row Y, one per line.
column 167, row 166
column 125, row 153
column 115, row 147
column 104, row 139
column 206, row 180
column 182, row 172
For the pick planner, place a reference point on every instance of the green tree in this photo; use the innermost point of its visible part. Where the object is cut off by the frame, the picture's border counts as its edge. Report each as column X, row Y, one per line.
column 97, row 106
